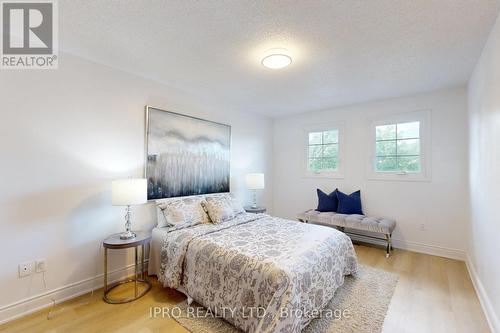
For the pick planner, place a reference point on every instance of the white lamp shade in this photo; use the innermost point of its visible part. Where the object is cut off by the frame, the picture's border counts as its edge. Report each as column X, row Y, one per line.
column 126, row 192
column 255, row 181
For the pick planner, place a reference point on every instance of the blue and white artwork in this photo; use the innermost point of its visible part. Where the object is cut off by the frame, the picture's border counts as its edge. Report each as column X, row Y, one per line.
column 186, row 155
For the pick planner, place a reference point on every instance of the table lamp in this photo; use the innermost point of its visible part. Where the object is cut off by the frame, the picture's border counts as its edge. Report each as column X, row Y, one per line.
column 127, row 192
column 255, row 181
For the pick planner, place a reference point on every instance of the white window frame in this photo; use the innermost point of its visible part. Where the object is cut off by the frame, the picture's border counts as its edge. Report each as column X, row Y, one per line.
column 339, row 126
column 424, row 117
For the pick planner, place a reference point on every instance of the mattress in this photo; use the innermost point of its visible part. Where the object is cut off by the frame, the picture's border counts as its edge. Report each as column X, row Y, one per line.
column 158, row 236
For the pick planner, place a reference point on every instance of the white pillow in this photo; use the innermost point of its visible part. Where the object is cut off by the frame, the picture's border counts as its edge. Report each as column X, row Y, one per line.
column 188, row 211
column 236, row 205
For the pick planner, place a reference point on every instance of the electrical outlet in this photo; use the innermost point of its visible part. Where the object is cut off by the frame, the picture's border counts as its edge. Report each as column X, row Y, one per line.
column 25, row 269
column 41, row 265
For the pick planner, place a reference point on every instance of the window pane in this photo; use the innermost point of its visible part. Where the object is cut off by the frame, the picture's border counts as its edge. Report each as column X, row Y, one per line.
column 409, row 147
column 330, row 150
column 315, row 151
column 329, row 164
column 409, row 163
column 409, row 130
column 314, row 164
column 385, row 132
column 386, row 164
column 385, row 148
column 331, row 136
column 315, row 138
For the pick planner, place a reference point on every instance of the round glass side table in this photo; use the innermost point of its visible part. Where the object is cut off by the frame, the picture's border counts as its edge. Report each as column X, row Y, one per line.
column 114, row 242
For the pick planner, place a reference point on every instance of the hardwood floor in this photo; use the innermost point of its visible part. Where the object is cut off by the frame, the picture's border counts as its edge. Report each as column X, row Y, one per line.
column 433, row 294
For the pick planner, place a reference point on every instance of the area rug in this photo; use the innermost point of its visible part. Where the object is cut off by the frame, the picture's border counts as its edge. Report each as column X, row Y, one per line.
column 363, row 299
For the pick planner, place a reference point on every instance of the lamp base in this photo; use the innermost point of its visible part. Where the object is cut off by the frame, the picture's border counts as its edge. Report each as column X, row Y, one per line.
column 254, row 204
column 127, row 235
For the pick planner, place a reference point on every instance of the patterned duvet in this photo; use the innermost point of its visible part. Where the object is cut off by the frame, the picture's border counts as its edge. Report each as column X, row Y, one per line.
column 261, row 273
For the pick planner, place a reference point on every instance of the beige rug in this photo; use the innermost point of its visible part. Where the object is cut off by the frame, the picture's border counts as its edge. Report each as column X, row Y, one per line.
column 366, row 298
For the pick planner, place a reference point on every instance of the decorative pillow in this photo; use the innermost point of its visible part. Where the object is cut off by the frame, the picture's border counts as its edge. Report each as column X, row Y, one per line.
column 327, row 202
column 219, row 209
column 187, row 211
column 349, row 204
column 233, row 202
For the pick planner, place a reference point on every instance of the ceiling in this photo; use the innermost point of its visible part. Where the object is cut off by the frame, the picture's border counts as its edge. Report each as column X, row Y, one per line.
column 344, row 52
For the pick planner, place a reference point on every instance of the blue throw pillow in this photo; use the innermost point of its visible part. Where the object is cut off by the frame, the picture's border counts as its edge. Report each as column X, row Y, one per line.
column 327, row 202
column 349, row 204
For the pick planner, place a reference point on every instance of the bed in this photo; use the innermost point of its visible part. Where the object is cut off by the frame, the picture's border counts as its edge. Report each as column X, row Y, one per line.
column 260, row 273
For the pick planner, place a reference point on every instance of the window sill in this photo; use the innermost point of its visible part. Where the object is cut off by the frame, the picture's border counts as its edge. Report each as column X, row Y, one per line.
column 333, row 175
column 389, row 176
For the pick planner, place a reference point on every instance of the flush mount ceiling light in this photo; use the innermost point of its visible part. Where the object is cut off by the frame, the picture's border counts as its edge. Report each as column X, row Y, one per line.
column 276, row 60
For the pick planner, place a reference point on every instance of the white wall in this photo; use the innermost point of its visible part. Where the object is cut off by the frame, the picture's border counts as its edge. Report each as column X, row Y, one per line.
column 65, row 134
column 440, row 204
column 484, row 177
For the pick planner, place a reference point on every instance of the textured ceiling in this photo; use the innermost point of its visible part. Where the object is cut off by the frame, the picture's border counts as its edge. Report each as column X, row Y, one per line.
column 344, row 52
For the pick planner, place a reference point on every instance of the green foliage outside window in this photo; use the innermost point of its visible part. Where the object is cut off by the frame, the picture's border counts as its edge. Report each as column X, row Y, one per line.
column 397, row 147
column 323, row 151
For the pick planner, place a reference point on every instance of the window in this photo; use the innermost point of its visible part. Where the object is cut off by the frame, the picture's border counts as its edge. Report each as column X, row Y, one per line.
column 323, row 150
column 400, row 147
column 397, row 147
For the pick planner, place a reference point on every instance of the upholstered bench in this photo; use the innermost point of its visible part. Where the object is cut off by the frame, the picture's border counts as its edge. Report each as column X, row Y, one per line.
column 352, row 222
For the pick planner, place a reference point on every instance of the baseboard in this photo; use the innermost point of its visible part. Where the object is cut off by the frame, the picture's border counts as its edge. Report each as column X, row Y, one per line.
column 37, row 302
column 417, row 247
column 484, row 299
column 434, row 250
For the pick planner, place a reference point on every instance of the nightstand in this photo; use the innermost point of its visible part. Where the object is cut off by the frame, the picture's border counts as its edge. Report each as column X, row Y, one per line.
column 254, row 210
column 114, row 242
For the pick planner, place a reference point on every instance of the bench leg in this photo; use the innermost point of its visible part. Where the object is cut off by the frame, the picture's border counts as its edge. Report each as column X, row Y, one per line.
column 389, row 245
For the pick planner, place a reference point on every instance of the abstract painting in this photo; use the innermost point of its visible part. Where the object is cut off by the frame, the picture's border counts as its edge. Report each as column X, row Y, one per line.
column 186, row 155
